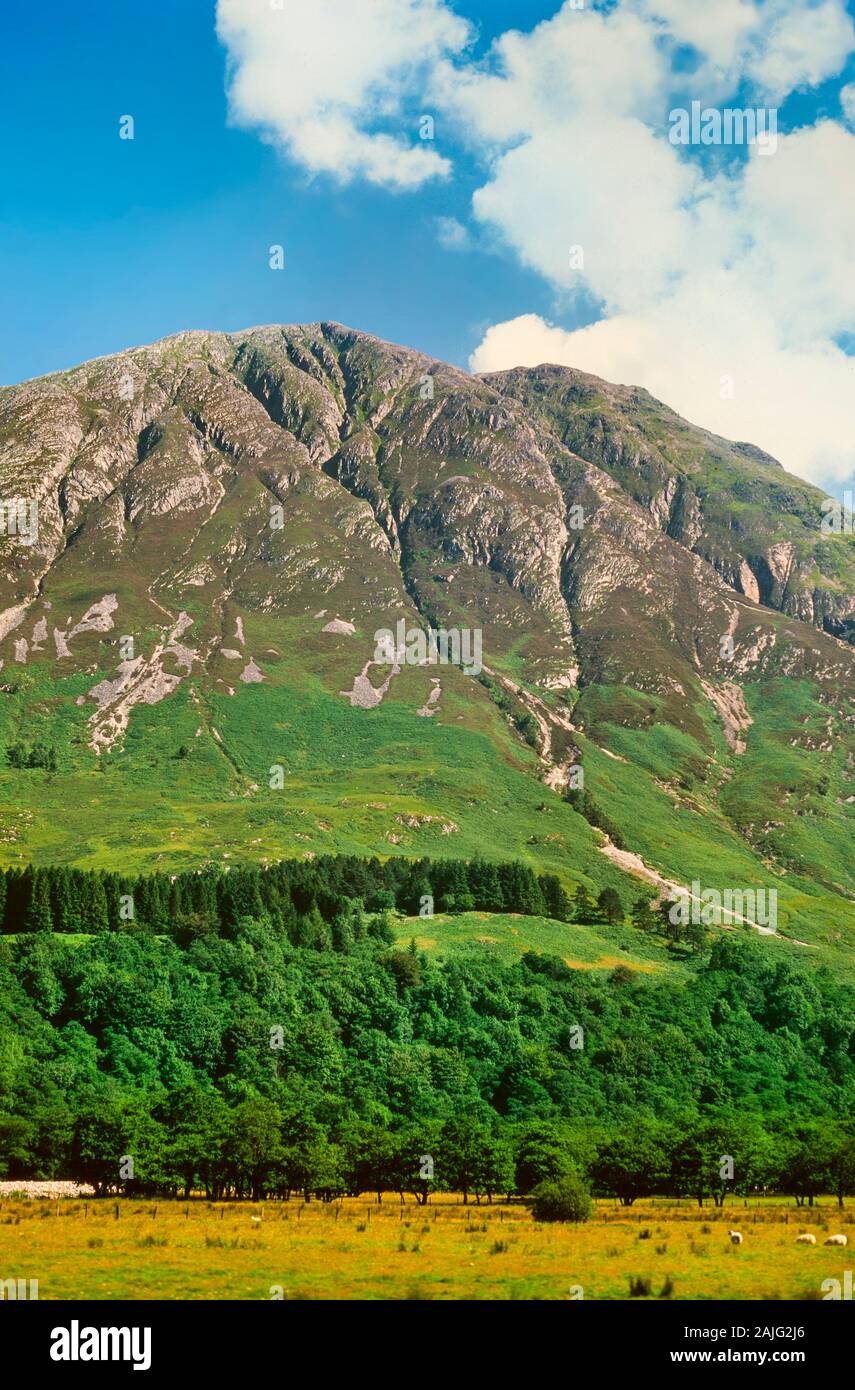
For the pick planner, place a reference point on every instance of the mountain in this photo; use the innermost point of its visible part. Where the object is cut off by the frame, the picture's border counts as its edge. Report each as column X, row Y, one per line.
column 733, row 504
column 225, row 521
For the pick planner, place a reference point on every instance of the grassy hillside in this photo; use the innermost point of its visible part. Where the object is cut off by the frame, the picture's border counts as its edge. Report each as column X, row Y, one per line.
column 507, row 936
column 254, row 641
column 190, row 784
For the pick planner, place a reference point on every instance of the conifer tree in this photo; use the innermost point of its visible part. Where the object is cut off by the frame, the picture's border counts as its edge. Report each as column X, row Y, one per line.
column 94, row 914
column 65, row 904
column 643, row 916
column 39, row 916
column 583, row 907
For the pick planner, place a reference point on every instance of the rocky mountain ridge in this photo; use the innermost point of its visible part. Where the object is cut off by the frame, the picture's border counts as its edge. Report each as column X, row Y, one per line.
column 214, row 499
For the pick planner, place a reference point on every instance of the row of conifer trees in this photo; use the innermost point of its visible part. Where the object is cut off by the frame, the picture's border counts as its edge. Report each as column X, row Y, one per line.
column 37, row 899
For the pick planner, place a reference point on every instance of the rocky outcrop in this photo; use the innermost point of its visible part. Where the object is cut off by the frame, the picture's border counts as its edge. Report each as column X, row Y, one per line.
column 733, row 504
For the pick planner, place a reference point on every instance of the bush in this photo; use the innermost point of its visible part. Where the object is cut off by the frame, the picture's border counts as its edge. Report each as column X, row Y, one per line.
column 566, row 1199
column 639, row 1287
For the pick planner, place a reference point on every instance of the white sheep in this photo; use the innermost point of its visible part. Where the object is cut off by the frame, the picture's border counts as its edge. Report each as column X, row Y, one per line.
column 255, row 1218
column 805, row 1239
column 837, row 1240
column 735, row 1237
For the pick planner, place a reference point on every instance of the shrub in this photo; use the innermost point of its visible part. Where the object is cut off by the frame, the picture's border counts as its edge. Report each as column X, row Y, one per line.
column 565, row 1199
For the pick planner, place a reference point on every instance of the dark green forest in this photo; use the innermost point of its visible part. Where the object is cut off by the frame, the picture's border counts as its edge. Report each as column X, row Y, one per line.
column 303, row 898
column 260, row 1032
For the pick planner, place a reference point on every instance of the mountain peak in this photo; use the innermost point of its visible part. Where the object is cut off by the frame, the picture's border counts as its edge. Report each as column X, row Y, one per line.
column 226, row 519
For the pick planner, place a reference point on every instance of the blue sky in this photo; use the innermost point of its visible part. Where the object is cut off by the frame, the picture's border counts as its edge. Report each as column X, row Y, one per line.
column 107, row 243
column 559, row 135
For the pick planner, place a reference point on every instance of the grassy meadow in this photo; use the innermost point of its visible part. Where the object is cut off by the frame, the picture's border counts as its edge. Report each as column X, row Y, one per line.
column 589, row 946
column 189, row 782
column 357, row 1249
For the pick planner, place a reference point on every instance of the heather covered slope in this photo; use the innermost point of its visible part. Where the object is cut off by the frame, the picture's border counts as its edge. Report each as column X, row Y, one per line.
column 761, row 528
column 251, row 508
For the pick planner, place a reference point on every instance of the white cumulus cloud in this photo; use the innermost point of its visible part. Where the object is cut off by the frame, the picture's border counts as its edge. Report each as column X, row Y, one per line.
column 451, row 234
column 722, row 288
column 328, row 81
column 773, row 46
column 700, row 271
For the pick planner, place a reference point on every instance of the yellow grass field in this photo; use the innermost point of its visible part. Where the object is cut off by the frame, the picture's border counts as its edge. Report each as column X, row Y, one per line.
column 355, row 1249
